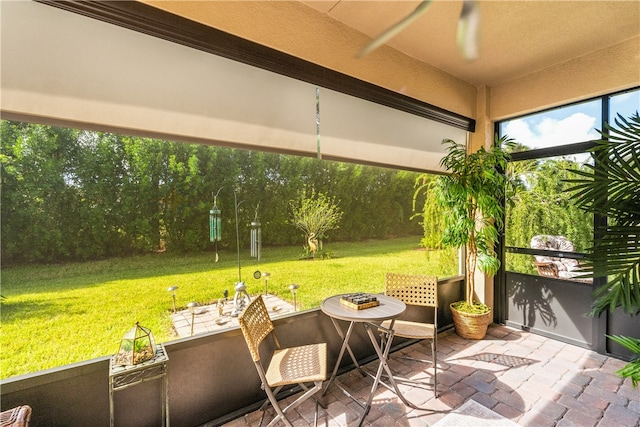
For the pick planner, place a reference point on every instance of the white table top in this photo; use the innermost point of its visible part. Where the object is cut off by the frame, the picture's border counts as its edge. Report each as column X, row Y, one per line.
column 389, row 308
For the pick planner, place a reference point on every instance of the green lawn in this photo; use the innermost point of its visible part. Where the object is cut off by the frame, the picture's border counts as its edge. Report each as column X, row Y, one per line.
column 60, row 314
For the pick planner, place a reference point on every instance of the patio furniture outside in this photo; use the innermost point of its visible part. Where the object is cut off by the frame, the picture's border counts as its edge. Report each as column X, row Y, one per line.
column 562, row 268
column 16, row 417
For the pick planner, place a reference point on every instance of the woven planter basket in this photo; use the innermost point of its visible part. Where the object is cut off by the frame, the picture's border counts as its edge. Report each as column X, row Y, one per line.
column 471, row 326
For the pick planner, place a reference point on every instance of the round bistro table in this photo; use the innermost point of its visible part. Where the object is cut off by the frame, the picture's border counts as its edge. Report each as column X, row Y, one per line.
column 370, row 318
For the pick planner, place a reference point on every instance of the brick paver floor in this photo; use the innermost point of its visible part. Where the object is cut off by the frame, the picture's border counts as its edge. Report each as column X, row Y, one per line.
column 529, row 379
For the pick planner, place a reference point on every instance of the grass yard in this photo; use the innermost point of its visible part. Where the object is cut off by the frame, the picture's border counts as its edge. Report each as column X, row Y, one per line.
column 54, row 315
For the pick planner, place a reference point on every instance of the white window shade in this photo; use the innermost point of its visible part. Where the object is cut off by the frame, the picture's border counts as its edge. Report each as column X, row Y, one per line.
column 66, row 67
column 350, row 126
column 63, row 68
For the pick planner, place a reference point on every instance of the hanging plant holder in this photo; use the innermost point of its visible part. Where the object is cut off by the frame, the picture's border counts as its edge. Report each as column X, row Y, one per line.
column 137, row 346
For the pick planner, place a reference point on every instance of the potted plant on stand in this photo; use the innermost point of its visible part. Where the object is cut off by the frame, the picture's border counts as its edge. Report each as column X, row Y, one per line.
column 472, row 198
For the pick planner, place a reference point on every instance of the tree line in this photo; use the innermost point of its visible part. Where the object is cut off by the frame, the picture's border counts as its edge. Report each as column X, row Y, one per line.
column 73, row 195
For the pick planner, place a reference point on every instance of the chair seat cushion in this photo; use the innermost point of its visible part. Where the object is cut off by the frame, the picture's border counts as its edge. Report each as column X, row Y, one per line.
column 415, row 330
column 298, row 365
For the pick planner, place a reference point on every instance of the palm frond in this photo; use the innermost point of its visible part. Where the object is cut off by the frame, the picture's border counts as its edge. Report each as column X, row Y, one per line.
column 612, row 189
column 632, row 369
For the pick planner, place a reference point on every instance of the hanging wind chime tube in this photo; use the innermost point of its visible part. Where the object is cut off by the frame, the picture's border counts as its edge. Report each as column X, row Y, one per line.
column 256, row 238
column 215, row 223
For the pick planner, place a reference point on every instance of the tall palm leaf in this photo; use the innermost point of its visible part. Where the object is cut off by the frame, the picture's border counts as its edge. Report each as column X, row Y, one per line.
column 612, row 189
column 632, row 369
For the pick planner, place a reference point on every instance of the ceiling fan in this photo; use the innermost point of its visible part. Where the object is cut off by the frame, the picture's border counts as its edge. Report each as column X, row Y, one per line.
column 466, row 36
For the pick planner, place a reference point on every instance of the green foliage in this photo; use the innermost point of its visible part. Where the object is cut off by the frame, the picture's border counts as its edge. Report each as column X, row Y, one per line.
column 475, row 308
column 315, row 214
column 70, row 195
column 59, row 314
column 610, row 189
column 631, row 369
column 431, row 214
column 543, row 206
column 471, row 198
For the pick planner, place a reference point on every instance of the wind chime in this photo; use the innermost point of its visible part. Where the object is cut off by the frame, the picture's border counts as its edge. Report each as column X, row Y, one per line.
column 215, row 223
column 256, row 237
column 241, row 298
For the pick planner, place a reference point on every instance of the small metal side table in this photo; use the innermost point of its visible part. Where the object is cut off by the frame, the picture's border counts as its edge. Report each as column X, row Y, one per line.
column 121, row 377
column 370, row 318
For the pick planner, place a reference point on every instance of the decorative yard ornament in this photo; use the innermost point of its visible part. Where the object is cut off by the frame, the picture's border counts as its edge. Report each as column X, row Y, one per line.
column 137, row 346
column 258, row 275
column 193, row 306
column 241, row 299
column 294, row 290
column 256, row 237
column 313, row 244
column 266, row 276
column 215, row 223
column 172, row 290
column 220, row 306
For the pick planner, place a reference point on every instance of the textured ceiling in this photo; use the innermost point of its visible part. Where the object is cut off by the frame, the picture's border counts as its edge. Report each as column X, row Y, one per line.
column 516, row 37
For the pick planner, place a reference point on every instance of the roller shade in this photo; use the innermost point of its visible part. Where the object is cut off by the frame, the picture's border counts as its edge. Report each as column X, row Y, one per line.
column 352, row 127
column 65, row 68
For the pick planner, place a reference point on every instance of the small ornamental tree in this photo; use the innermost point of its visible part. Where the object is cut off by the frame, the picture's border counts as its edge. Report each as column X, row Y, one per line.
column 472, row 198
column 315, row 214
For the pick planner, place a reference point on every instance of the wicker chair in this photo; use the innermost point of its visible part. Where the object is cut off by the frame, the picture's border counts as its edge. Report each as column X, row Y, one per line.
column 416, row 290
column 547, row 269
column 16, row 417
column 288, row 366
column 564, row 268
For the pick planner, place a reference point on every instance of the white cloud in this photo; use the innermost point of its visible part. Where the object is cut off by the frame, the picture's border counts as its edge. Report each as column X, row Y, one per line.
column 550, row 132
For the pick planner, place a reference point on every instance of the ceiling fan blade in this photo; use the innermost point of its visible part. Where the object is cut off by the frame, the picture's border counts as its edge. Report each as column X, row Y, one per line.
column 395, row 29
column 468, row 29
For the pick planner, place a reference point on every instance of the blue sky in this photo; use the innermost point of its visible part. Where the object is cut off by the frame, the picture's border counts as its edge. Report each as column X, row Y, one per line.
column 575, row 123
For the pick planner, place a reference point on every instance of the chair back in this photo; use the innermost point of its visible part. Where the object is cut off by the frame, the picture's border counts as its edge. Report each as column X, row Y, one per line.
column 413, row 289
column 256, row 325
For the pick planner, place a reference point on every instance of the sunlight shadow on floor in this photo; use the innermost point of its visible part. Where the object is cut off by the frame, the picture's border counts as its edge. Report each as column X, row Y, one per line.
column 500, row 359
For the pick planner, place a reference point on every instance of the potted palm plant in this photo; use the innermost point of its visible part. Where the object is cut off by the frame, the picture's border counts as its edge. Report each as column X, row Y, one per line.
column 472, row 198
